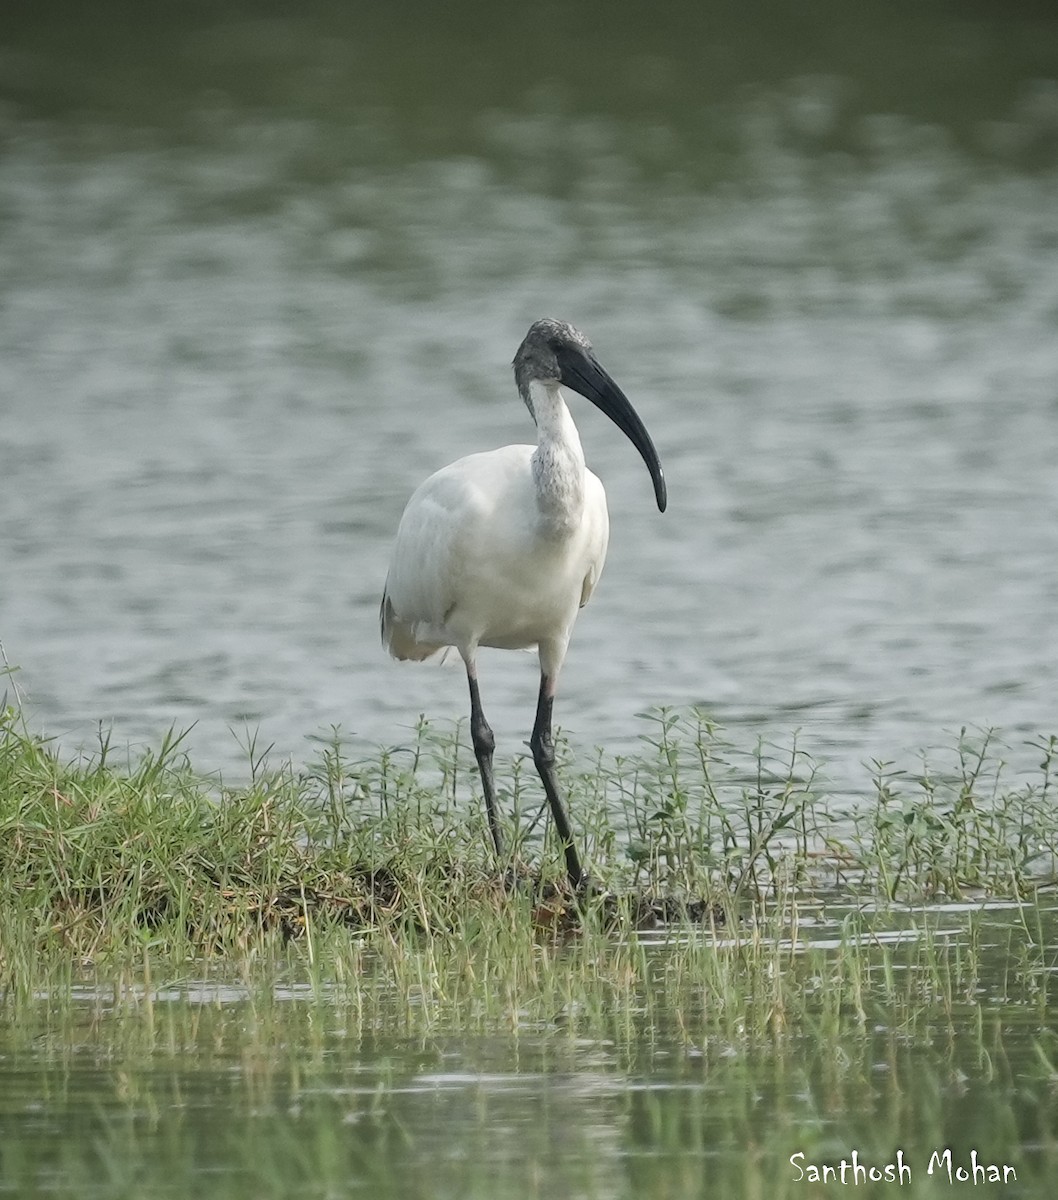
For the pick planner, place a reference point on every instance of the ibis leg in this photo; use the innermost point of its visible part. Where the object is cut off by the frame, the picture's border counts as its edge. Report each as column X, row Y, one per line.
column 484, row 744
column 543, row 749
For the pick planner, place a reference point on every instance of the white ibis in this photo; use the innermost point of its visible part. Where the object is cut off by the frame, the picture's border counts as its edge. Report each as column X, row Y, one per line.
column 502, row 548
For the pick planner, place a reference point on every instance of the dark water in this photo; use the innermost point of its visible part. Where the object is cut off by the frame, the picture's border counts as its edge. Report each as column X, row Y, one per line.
column 260, row 274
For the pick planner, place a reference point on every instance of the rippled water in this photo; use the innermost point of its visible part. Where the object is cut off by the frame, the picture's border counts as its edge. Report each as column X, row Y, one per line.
column 258, row 279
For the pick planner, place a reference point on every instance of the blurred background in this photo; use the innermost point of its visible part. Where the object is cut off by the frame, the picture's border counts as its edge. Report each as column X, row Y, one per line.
column 264, row 267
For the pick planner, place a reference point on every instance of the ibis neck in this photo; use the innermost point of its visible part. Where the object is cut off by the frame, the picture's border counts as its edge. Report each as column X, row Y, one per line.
column 558, row 462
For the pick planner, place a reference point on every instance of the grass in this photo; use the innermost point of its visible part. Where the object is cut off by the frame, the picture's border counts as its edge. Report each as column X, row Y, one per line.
column 101, row 855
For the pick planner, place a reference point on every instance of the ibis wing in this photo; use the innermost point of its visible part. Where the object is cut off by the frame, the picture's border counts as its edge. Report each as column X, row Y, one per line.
column 599, row 519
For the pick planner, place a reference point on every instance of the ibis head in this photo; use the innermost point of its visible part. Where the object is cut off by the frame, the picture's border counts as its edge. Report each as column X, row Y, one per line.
column 554, row 353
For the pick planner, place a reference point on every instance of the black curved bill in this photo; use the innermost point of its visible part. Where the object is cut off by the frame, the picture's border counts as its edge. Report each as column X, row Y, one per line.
column 583, row 372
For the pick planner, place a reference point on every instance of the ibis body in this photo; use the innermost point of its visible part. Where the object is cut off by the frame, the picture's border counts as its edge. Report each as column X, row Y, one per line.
column 503, row 548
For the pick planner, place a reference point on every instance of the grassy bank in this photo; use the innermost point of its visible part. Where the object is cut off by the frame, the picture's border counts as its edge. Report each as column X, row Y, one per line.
column 101, row 854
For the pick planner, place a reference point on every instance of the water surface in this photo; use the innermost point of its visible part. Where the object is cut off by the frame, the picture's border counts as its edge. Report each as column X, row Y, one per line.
column 212, row 1086
column 258, row 277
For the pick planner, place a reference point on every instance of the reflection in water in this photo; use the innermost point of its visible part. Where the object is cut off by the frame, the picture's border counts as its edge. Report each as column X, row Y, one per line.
column 241, row 323
column 228, row 1087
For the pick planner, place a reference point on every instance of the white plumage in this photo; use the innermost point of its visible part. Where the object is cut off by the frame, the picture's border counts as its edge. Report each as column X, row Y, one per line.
column 478, row 563
column 503, row 548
